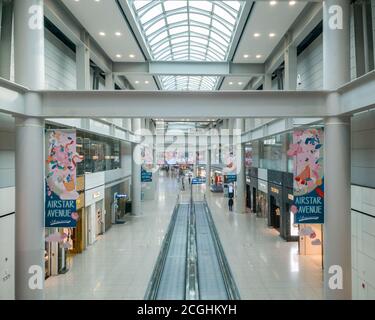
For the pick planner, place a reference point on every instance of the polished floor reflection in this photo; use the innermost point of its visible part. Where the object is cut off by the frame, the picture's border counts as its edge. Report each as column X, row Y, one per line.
column 119, row 265
column 264, row 265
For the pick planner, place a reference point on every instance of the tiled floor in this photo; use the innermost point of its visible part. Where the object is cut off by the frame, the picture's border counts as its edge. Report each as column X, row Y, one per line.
column 263, row 264
column 119, row 265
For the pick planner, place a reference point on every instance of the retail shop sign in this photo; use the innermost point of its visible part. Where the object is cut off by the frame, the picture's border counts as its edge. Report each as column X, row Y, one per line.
column 61, row 195
column 308, row 183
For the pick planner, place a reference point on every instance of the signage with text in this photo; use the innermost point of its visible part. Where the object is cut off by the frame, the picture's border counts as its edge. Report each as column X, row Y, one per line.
column 61, row 195
column 308, row 184
column 230, row 178
column 198, row 181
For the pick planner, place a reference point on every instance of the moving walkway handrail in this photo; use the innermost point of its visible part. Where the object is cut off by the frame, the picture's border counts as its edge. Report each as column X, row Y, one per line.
column 192, row 282
column 153, row 286
column 230, row 284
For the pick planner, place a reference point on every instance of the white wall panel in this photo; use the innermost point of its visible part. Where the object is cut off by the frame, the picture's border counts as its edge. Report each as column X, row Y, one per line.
column 60, row 64
column 7, row 200
column 363, row 242
column 363, row 149
column 7, row 249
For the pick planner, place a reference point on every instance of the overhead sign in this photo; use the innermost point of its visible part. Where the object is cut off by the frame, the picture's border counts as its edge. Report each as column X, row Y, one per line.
column 146, row 176
column 308, row 184
column 61, row 195
column 121, row 196
column 230, row 178
column 198, row 181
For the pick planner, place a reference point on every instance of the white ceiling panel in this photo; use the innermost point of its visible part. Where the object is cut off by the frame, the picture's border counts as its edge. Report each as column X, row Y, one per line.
column 266, row 19
column 235, row 83
column 103, row 16
column 142, row 82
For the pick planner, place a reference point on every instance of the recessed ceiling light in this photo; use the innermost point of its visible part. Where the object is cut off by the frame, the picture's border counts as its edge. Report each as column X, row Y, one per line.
column 240, row 83
column 230, row 83
column 256, row 35
column 272, row 35
column 147, row 82
column 245, row 56
column 272, row 3
column 97, row 0
column 118, row 56
column 136, row 82
column 258, row 56
column 101, row 33
column 118, row 34
column 292, row 3
column 131, row 56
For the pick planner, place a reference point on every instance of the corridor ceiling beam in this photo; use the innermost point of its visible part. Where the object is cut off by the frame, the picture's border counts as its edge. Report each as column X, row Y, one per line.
column 189, row 68
column 358, row 95
column 161, row 104
column 354, row 97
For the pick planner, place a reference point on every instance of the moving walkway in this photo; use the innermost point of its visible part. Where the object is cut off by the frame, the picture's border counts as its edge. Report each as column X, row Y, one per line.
column 191, row 264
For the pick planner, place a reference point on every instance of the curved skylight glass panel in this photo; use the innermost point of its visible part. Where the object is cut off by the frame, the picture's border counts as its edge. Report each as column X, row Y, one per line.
column 188, row 83
column 187, row 30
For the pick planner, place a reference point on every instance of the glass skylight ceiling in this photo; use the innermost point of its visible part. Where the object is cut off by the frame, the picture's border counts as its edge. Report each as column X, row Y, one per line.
column 187, row 30
column 188, row 83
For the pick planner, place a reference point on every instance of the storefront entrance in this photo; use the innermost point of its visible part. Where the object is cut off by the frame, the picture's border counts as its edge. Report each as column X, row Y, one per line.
column 262, row 208
column 275, row 213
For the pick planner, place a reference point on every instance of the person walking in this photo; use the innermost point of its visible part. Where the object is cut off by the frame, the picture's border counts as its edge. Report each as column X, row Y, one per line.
column 183, row 183
column 230, row 204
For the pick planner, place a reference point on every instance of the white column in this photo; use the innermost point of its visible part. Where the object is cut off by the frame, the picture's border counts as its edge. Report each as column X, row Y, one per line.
column 29, row 43
column 267, row 81
column 373, row 34
column 208, row 166
column 109, row 81
column 336, row 45
column 29, row 206
column 290, row 72
column 29, row 71
column 284, row 155
column 83, row 64
column 6, row 39
column 337, row 232
column 127, row 124
column 241, row 174
column 136, row 172
column 337, row 225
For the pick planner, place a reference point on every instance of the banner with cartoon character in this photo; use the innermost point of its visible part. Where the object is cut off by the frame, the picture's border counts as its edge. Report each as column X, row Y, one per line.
column 61, row 194
column 308, row 184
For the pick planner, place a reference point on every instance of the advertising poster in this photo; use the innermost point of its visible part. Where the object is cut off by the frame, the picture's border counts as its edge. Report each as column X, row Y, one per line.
column 61, row 194
column 146, row 175
column 248, row 156
column 308, row 184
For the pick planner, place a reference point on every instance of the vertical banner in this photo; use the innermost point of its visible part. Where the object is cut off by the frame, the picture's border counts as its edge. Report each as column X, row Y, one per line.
column 308, row 184
column 61, row 194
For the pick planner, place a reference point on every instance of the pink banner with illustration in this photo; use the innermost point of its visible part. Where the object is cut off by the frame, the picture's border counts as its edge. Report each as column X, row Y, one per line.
column 308, row 184
column 61, row 165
